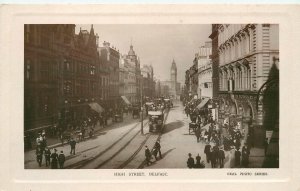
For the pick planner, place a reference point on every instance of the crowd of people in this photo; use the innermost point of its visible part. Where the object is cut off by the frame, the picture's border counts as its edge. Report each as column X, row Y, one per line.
column 214, row 137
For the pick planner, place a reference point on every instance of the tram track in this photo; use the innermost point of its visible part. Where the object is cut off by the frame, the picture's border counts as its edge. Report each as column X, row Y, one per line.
column 84, row 162
column 125, row 163
column 158, row 138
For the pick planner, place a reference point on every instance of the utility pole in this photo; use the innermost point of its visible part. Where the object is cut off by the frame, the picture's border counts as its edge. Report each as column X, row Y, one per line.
column 142, row 118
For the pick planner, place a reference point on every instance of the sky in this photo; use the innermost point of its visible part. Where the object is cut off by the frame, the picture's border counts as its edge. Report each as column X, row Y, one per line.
column 157, row 45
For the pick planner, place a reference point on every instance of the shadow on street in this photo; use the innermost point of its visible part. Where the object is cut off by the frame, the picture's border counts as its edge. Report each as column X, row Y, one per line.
column 172, row 126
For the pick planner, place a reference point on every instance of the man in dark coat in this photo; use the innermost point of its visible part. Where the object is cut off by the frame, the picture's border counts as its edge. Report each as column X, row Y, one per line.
column 221, row 156
column 148, row 156
column 237, row 155
column 207, row 152
column 198, row 133
column 157, row 148
column 213, row 158
column 198, row 162
column 47, row 156
column 72, row 144
column 39, row 155
column 61, row 159
column 245, row 155
column 190, row 162
column 54, row 160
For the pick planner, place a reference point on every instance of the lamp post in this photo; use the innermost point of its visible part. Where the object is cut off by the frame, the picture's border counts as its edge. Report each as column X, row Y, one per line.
column 142, row 118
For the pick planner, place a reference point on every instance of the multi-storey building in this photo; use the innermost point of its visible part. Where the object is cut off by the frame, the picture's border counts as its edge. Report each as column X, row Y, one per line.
column 148, row 86
column 246, row 54
column 128, row 85
column 205, row 71
column 215, row 61
column 110, row 57
column 61, row 74
column 130, row 69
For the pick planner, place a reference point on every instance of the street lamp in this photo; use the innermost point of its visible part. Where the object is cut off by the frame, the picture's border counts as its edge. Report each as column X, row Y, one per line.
column 142, row 118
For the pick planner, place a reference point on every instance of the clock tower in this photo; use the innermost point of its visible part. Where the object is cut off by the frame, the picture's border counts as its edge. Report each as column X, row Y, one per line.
column 173, row 78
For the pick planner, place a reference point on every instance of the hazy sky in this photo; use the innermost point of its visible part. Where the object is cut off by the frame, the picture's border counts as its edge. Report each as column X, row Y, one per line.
column 156, row 44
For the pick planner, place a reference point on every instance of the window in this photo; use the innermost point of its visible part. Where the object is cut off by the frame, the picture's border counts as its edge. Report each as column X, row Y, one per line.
column 28, row 70
column 27, row 34
column 93, row 69
column 44, row 71
column 66, row 65
column 67, row 87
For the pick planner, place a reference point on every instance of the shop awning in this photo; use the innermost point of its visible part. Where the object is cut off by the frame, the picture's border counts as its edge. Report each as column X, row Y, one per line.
column 125, row 100
column 202, row 103
column 96, row 107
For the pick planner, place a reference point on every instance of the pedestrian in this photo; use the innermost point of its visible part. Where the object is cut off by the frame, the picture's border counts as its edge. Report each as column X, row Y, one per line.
column 213, row 158
column 190, row 162
column 61, row 159
column 39, row 140
column 157, row 148
column 72, row 144
column 198, row 162
column 198, row 133
column 221, row 157
column 39, row 156
column 54, row 160
column 266, row 144
column 237, row 155
column 207, row 152
column 245, row 155
column 148, row 156
column 47, row 156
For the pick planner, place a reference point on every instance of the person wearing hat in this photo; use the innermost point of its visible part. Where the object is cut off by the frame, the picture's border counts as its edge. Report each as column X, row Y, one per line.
column 237, row 155
column 47, row 156
column 245, row 155
column 198, row 162
column 190, row 162
column 54, row 159
column 221, row 157
column 39, row 155
column 61, row 159
column 72, row 144
column 157, row 148
column 207, row 151
column 148, row 156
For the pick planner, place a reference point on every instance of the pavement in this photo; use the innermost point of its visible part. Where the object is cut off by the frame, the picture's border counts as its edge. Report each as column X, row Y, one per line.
column 88, row 148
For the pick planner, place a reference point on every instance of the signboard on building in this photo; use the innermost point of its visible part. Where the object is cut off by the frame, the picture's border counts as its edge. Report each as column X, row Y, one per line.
column 269, row 135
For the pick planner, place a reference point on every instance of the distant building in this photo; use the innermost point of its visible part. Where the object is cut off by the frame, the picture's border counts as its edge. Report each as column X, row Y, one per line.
column 130, row 73
column 204, row 71
column 148, row 81
column 171, row 87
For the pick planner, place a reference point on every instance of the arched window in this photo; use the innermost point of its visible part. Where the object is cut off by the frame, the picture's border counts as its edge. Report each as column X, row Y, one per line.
column 249, row 79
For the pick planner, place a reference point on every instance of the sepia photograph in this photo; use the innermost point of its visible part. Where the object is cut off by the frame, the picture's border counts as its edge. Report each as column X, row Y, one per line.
column 151, row 96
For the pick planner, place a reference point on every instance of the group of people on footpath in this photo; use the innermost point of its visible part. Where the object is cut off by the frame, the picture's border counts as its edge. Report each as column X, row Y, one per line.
column 52, row 159
column 156, row 151
column 218, row 138
column 214, row 155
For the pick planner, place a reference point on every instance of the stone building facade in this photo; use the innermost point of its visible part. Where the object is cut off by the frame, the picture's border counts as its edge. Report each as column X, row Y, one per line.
column 246, row 53
column 62, row 73
column 205, row 71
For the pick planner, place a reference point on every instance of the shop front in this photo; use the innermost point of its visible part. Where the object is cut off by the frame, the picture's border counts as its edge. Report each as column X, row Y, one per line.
column 238, row 109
